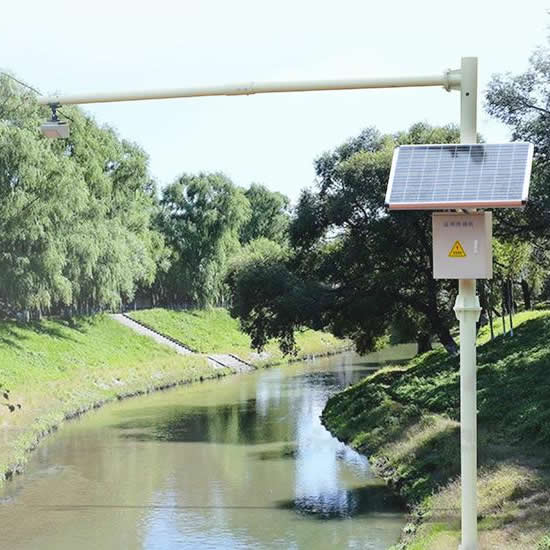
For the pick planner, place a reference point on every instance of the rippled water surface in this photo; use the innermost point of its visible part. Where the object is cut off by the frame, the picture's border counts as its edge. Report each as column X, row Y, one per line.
column 243, row 462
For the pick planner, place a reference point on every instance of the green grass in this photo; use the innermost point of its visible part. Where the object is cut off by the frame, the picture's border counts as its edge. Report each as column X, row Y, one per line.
column 55, row 369
column 215, row 331
column 406, row 419
column 484, row 334
column 51, row 349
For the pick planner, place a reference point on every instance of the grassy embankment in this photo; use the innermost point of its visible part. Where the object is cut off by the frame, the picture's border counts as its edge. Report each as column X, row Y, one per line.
column 56, row 370
column 215, row 331
column 406, row 419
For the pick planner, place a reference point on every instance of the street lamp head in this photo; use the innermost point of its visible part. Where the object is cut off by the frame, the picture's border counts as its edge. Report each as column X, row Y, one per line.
column 55, row 128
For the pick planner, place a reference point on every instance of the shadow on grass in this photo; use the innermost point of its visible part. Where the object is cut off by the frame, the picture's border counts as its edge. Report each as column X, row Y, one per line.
column 38, row 327
column 10, row 337
column 14, row 333
column 513, row 384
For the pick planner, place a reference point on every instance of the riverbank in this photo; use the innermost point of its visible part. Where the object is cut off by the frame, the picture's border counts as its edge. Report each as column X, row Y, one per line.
column 215, row 331
column 242, row 462
column 59, row 369
column 405, row 418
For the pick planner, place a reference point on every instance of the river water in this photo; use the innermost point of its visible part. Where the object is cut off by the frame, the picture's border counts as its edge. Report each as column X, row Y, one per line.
column 241, row 462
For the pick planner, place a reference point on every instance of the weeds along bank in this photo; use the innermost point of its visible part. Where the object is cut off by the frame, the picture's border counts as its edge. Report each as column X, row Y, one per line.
column 58, row 369
column 406, row 419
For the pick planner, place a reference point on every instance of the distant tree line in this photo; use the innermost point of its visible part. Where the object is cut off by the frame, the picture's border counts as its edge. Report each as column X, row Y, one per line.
column 84, row 228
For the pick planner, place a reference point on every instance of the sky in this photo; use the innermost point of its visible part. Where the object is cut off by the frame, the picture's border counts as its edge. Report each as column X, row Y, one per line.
column 69, row 47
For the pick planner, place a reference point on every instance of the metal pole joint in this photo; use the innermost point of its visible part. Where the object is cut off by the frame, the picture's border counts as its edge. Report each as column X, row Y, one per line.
column 467, row 306
column 453, row 79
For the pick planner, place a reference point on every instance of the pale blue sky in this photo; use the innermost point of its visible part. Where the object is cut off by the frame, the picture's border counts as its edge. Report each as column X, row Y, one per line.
column 70, row 46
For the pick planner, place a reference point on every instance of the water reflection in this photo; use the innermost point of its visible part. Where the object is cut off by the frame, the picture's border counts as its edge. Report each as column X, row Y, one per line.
column 342, row 504
column 236, row 423
column 239, row 463
column 284, row 411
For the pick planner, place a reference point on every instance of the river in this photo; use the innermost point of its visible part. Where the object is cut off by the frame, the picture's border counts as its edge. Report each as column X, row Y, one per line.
column 241, row 462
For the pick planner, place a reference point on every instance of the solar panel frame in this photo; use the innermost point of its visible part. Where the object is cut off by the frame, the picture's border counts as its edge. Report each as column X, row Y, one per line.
column 517, row 201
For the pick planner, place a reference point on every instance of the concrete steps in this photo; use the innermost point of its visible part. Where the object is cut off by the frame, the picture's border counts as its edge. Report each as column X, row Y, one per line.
column 147, row 331
column 232, row 361
column 219, row 360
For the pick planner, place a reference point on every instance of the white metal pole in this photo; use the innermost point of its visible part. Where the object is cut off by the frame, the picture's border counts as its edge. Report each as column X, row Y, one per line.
column 448, row 80
column 467, row 311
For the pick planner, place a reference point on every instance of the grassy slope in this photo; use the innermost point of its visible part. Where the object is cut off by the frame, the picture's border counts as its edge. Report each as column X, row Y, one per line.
column 56, row 370
column 406, row 419
column 215, row 331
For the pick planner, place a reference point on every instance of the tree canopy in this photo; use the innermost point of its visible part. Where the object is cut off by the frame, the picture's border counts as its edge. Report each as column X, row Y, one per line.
column 269, row 215
column 358, row 271
column 353, row 268
column 201, row 217
column 522, row 102
column 83, row 227
column 75, row 214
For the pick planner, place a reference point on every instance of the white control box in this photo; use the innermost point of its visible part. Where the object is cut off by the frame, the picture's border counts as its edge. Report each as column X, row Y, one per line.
column 462, row 245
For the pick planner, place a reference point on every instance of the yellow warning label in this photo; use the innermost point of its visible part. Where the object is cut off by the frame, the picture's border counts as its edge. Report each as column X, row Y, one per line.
column 457, row 251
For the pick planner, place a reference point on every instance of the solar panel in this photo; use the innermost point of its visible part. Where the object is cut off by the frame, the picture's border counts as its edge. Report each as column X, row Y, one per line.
column 437, row 177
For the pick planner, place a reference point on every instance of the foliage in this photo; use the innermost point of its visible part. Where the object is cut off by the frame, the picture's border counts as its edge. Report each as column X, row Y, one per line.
column 74, row 214
column 256, row 251
column 270, row 215
column 523, row 103
column 262, row 286
column 201, row 217
column 353, row 269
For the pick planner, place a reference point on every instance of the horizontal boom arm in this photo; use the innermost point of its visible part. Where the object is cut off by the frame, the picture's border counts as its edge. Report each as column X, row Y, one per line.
column 449, row 80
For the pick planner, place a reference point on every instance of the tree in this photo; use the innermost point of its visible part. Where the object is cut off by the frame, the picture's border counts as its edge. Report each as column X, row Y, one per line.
column 75, row 215
column 201, row 217
column 260, row 282
column 354, row 268
column 523, row 103
column 511, row 259
column 269, row 215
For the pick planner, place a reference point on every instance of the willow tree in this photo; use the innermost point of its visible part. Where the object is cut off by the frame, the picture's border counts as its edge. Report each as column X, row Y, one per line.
column 75, row 214
column 201, row 218
column 269, row 215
